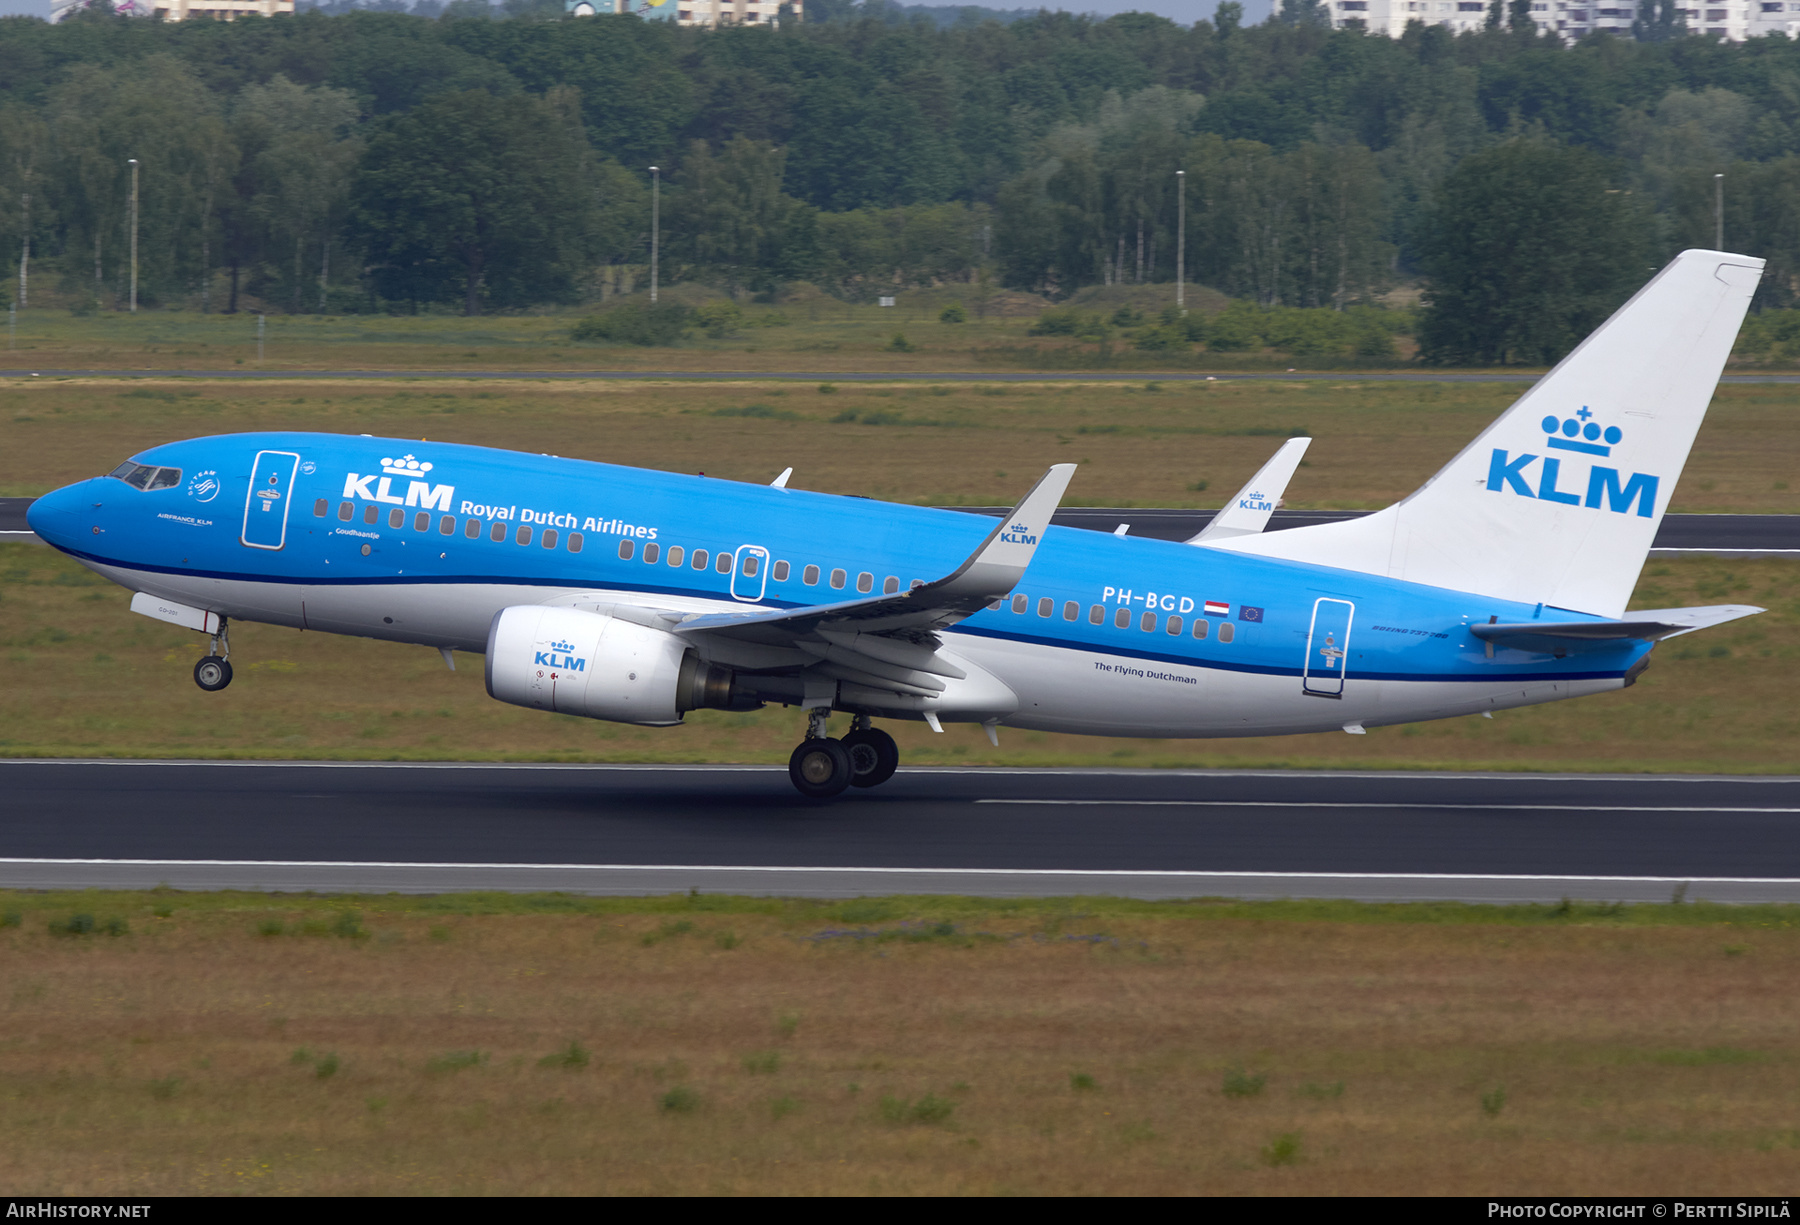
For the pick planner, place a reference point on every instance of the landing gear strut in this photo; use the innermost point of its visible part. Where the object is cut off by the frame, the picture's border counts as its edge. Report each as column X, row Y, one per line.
column 821, row 767
column 213, row 672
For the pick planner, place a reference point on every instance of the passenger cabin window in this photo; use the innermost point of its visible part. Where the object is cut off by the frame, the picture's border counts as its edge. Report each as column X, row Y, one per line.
column 890, row 585
column 751, row 564
column 1175, row 626
column 1046, row 606
column 498, row 534
column 1020, row 601
column 781, row 572
column 676, row 552
column 626, row 548
column 1201, row 627
column 1071, row 610
column 1122, row 618
column 523, row 535
column 699, row 559
column 837, row 579
column 319, row 508
column 651, row 553
column 472, row 529
column 549, row 538
column 1097, row 615
column 422, row 521
column 574, row 542
column 446, row 526
column 810, row 576
column 370, row 513
column 723, row 564
column 865, row 582
column 346, row 510
column 1226, row 631
column 396, row 518
column 1148, row 622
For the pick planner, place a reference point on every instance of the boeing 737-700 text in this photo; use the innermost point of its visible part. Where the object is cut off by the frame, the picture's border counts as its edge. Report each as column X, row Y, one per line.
column 633, row 595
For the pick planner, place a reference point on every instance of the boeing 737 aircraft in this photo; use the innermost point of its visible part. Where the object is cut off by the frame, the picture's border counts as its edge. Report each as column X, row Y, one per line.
column 632, row 595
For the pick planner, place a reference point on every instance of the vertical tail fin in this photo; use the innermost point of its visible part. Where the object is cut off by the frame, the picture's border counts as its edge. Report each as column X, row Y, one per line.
column 1559, row 499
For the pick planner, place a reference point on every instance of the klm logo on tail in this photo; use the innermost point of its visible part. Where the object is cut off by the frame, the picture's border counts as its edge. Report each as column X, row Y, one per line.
column 1018, row 533
column 1605, row 488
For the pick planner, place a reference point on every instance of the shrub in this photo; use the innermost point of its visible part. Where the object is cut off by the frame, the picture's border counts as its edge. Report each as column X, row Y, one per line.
column 681, row 1100
column 1067, row 321
column 636, row 323
column 1239, row 1083
column 900, row 344
column 1081, row 1082
column 573, row 1055
column 719, row 319
column 1282, row 1150
column 954, row 313
column 1127, row 317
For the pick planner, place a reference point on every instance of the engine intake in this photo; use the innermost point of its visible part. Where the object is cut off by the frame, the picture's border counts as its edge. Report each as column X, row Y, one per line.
column 600, row 667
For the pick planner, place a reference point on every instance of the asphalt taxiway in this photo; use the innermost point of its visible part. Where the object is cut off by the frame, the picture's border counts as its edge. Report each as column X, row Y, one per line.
column 428, row 828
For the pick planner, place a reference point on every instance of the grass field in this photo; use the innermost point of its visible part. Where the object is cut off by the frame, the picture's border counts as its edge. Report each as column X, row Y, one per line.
column 1140, row 444
column 234, row 1044
column 83, row 676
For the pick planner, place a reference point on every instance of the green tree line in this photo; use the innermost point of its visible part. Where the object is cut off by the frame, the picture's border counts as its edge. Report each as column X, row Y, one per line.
column 369, row 160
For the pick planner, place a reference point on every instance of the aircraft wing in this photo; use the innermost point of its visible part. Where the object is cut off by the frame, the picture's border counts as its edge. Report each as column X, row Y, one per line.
column 989, row 574
column 1249, row 509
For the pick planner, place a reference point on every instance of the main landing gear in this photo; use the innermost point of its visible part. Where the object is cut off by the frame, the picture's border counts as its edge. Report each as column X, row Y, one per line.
column 821, row 767
column 213, row 672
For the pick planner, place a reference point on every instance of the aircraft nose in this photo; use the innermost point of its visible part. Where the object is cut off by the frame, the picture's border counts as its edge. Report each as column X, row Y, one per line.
column 56, row 516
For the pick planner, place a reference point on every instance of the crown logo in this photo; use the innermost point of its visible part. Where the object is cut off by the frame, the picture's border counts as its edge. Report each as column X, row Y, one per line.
column 1578, row 433
column 406, row 465
column 567, row 648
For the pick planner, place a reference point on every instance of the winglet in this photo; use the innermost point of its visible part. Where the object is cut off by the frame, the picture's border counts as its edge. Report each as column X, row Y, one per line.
column 780, row 482
column 995, row 568
column 1248, row 512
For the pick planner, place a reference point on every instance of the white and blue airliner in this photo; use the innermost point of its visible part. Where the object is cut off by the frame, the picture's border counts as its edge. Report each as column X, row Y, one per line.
column 631, row 595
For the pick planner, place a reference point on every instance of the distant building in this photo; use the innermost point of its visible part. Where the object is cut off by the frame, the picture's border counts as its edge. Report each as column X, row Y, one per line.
column 696, row 12
column 1731, row 20
column 182, row 10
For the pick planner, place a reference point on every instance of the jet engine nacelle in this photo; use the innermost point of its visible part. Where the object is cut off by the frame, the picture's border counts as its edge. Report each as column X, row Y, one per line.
column 598, row 666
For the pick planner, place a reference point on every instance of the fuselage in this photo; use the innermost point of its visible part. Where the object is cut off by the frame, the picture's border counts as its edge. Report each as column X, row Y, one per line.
column 424, row 543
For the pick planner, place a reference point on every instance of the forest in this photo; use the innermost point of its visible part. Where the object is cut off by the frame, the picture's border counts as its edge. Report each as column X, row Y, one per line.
column 391, row 161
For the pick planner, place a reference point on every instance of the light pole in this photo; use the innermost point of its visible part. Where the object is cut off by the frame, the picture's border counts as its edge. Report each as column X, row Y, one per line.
column 1181, row 241
column 134, row 229
column 655, row 225
column 1718, row 212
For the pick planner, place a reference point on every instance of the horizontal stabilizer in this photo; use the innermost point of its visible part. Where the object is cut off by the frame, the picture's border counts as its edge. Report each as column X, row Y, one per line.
column 1568, row 637
column 1248, row 512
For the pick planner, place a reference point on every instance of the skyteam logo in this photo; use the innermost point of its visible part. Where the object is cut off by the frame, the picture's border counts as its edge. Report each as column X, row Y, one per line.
column 1018, row 533
column 1584, row 436
column 1255, row 501
column 561, row 655
column 420, row 493
column 205, row 486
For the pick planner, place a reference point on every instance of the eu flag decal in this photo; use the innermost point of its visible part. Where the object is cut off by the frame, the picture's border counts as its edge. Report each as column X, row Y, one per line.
column 1247, row 613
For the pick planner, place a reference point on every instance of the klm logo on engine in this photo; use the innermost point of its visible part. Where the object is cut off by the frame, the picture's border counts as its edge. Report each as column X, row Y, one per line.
column 561, row 655
column 1605, row 487
column 1018, row 534
column 420, row 493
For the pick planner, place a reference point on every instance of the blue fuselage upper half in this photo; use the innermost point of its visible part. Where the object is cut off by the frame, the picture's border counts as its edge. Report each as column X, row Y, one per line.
column 333, row 511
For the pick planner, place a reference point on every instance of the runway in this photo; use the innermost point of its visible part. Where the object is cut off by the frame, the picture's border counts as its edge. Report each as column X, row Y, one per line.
column 1677, row 535
column 850, row 376
column 427, row 828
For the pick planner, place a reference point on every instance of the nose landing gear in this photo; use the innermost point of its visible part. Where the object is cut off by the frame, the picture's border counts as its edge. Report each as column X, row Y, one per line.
column 821, row 767
column 213, row 672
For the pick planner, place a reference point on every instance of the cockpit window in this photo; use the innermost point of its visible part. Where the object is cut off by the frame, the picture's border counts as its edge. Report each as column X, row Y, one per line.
column 146, row 476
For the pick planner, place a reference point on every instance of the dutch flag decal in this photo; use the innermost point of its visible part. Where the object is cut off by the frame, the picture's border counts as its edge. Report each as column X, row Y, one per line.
column 1216, row 609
